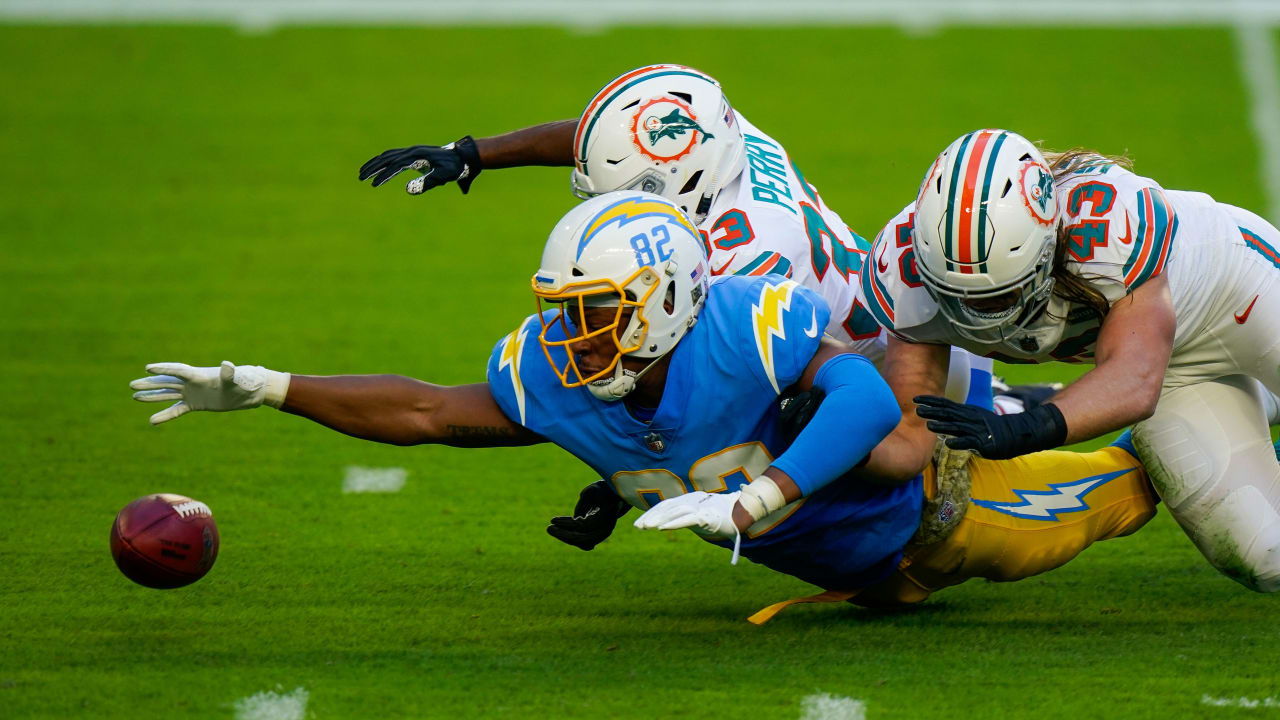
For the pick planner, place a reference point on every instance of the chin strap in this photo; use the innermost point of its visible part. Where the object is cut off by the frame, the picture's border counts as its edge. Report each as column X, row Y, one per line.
column 622, row 382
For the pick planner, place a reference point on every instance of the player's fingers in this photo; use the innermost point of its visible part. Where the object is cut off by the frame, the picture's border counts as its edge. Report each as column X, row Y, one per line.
column 684, row 521
column 157, row 395
column 373, row 165
column 178, row 370
column 177, row 409
column 155, row 382
column 947, row 428
column 563, row 521
column 658, row 518
column 388, row 172
column 962, row 443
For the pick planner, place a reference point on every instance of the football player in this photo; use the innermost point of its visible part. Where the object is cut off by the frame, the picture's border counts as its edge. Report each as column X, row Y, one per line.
column 666, row 383
column 1173, row 297
column 670, row 130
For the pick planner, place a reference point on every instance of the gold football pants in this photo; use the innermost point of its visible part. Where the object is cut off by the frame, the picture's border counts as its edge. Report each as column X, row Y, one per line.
column 1026, row 516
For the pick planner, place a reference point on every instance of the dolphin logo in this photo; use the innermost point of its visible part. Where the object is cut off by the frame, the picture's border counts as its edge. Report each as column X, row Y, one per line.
column 1044, row 188
column 672, row 125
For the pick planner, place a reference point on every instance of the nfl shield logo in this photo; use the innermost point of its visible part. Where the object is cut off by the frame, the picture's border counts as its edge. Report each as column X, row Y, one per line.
column 654, row 442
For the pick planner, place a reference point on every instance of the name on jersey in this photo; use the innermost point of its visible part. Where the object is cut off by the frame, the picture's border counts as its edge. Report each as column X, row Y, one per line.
column 767, row 173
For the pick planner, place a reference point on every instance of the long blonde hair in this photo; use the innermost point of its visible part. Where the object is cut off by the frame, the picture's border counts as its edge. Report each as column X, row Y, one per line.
column 1068, row 285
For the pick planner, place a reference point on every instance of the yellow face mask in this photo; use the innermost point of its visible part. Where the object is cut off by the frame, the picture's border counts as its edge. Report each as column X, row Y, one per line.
column 574, row 299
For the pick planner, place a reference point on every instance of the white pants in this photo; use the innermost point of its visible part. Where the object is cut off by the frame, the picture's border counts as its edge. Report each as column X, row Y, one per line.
column 1208, row 446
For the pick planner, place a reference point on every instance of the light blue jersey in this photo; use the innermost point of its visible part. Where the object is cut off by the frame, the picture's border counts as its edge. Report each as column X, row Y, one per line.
column 717, row 428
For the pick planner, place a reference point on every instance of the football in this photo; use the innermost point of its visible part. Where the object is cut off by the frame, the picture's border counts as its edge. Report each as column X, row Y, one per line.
column 164, row 540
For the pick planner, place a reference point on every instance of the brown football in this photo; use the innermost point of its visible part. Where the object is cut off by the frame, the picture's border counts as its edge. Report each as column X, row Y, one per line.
column 164, row 540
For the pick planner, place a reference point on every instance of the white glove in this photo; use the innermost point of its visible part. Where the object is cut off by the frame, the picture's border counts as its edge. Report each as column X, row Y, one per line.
column 708, row 514
column 217, row 389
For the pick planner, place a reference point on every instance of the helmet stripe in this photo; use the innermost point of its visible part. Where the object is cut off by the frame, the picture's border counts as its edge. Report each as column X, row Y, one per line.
column 967, row 191
column 949, row 216
column 602, row 99
column 986, row 197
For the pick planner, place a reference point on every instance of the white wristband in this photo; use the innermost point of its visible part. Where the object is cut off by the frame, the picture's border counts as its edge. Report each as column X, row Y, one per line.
column 761, row 497
column 277, row 387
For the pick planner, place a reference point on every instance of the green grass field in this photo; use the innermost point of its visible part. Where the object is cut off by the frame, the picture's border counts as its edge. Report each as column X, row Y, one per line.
column 190, row 194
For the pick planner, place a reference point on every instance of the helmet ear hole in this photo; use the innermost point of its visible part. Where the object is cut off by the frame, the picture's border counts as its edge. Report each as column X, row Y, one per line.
column 693, row 183
column 669, row 302
column 1008, row 185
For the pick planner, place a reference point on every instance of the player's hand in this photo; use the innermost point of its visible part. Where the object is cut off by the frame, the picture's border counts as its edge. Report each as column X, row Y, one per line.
column 795, row 411
column 217, row 389
column 708, row 514
column 456, row 162
column 995, row 437
column 594, row 517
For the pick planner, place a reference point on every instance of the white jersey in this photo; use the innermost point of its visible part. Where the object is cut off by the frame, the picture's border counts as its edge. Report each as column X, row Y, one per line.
column 770, row 220
column 1124, row 229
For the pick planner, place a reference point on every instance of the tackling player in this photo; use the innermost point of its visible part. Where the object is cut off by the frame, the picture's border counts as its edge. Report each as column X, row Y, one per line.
column 1175, row 299
column 666, row 383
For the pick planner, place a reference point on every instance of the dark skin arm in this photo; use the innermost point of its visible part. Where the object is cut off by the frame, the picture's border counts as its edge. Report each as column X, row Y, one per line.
column 549, row 144
column 402, row 411
column 1134, row 345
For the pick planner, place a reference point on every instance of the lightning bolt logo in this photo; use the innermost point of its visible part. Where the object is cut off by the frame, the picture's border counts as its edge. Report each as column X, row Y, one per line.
column 631, row 209
column 1060, row 498
column 512, row 349
column 767, row 322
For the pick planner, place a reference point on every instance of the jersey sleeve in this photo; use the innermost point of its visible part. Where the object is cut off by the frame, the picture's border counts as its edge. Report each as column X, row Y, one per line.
column 1119, row 226
column 890, row 287
column 506, row 363
column 743, row 242
column 785, row 322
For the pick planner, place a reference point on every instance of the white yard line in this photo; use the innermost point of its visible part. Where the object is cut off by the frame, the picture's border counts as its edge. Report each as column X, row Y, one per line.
column 356, row 479
column 270, row 705
column 911, row 13
column 1240, row 702
column 1257, row 48
column 825, row 706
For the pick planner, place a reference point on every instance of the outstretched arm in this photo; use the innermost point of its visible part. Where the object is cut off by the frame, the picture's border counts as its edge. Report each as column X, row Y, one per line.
column 548, row 144
column 402, row 411
column 384, row 408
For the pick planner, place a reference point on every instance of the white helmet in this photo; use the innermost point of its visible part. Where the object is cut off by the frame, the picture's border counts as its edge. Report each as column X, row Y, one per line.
column 985, row 233
column 626, row 249
column 665, row 129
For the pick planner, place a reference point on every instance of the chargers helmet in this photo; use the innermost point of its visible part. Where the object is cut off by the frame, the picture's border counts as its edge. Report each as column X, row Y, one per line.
column 625, row 250
column 664, row 129
column 985, row 233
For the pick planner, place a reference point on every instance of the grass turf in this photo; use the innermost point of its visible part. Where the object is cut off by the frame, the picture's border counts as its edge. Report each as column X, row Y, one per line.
column 189, row 194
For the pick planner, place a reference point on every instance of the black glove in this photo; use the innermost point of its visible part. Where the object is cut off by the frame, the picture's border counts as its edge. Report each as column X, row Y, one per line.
column 456, row 162
column 995, row 437
column 594, row 517
column 795, row 411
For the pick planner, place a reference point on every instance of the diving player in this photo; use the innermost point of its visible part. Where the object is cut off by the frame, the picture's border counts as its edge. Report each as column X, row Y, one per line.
column 669, row 130
column 1171, row 295
column 666, row 383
